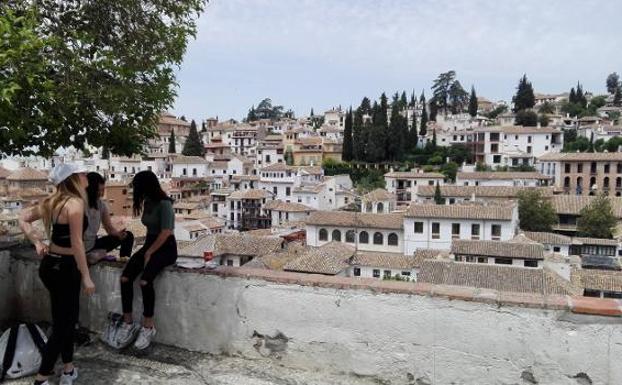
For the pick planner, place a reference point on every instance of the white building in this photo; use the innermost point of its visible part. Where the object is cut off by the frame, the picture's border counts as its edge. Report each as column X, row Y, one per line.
column 283, row 212
column 189, row 166
column 332, row 193
column 529, row 254
column 404, row 184
column 378, row 201
column 508, row 179
column 436, row 226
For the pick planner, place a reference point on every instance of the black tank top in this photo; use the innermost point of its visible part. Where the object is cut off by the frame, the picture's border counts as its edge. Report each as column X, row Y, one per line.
column 60, row 231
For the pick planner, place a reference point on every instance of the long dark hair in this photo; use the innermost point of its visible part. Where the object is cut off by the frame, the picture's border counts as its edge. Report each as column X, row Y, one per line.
column 92, row 190
column 146, row 185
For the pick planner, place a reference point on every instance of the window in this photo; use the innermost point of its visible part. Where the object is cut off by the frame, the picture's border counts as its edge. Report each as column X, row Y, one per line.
column 392, row 239
column 380, row 207
column 418, row 227
column 455, row 230
column 482, row 260
column 580, row 167
column 376, row 273
column 387, row 274
column 275, row 190
column 495, row 231
column 378, row 238
column 496, row 159
column 619, row 168
column 323, row 235
column 458, row 258
column 528, row 149
column 503, row 261
column 368, row 207
column 288, row 191
column 229, row 262
column 606, row 168
column 406, row 273
column 557, row 249
column 475, row 231
column 529, row 139
column 531, row 263
column 436, row 230
column 364, row 237
column 194, row 172
column 350, row 236
column 336, row 235
column 593, row 168
column 357, row 271
column 430, row 183
column 591, row 293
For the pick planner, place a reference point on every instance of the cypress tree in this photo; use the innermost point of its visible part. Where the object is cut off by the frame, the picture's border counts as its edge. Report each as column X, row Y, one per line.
column 433, row 109
column 423, row 130
column 203, row 127
column 581, row 99
column 473, row 103
column 359, row 130
column 193, row 145
column 105, row 152
column 524, row 97
column 396, row 138
column 403, row 100
column 617, row 97
column 572, row 98
column 438, row 198
column 171, row 142
column 348, row 150
column 375, row 146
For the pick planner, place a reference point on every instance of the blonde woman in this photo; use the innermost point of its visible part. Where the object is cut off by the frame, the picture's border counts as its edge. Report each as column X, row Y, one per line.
column 64, row 265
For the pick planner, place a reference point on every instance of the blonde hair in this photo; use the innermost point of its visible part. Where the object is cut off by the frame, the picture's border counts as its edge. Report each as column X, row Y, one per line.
column 65, row 190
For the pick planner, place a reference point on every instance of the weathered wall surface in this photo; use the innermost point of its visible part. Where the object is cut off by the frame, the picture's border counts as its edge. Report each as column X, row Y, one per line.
column 6, row 286
column 397, row 338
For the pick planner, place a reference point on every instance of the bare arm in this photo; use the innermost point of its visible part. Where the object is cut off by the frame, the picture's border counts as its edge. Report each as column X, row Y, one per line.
column 26, row 218
column 75, row 215
column 108, row 226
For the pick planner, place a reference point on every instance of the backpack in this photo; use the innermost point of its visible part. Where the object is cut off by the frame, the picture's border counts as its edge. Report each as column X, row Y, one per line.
column 20, row 350
column 109, row 336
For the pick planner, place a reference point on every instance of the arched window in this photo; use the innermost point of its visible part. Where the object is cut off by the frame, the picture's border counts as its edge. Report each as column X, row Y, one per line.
column 392, row 239
column 579, row 185
column 606, row 182
column 363, row 237
column 378, row 238
column 336, row 235
column 567, row 182
column 368, row 207
column 618, row 182
column 380, row 207
column 350, row 236
column 323, row 235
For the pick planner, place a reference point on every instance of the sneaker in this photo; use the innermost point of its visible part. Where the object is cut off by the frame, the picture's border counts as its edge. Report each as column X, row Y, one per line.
column 68, row 379
column 144, row 338
column 126, row 334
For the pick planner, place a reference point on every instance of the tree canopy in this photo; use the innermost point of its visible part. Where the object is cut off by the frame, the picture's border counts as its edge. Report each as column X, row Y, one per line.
column 265, row 110
column 524, row 97
column 535, row 213
column 596, row 219
column 473, row 103
column 98, row 72
column 194, row 144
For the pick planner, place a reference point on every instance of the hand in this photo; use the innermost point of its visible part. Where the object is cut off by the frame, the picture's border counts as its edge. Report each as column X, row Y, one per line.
column 121, row 234
column 41, row 248
column 88, row 286
column 147, row 257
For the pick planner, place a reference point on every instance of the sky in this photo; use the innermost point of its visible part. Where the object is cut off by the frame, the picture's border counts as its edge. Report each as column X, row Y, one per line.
column 319, row 54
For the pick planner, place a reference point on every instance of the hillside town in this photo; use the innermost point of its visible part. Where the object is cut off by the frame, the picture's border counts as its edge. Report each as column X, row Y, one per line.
column 282, row 193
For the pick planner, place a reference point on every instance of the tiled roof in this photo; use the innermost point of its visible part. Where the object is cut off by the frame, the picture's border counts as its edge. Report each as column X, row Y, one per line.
column 182, row 159
column 548, row 238
column 581, row 156
column 330, row 259
column 593, row 279
column 493, row 212
column 495, row 277
column 27, row 173
column 384, row 260
column 594, row 241
column 378, row 194
column 279, row 205
column 498, row 249
column 250, row 194
column 414, row 175
column 4, row 172
column 480, row 191
column 517, row 129
column 186, row 205
column 501, row 175
column 168, row 118
column 573, row 204
column 424, row 254
column 235, row 244
column 355, row 219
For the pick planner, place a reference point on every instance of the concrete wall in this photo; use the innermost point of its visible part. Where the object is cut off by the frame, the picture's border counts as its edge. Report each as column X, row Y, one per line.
column 386, row 330
column 6, row 286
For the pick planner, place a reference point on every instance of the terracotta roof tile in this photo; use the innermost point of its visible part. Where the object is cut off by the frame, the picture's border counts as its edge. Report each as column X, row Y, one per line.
column 510, row 175
column 355, row 219
column 494, row 212
column 480, row 191
column 330, row 259
column 27, row 173
column 548, row 238
column 498, row 249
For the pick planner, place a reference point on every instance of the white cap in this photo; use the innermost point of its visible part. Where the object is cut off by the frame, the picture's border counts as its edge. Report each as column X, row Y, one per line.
column 63, row 171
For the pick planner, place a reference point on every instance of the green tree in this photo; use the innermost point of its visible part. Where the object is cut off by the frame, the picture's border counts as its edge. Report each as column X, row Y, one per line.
column 526, row 118
column 497, row 111
column 433, row 109
column 438, row 198
column 535, row 212
column 524, row 97
column 376, row 145
column 613, row 83
column 171, row 143
column 423, row 129
column 458, row 97
column 105, row 153
column 547, row 108
column 617, row 97
column 450, row 170
column 194, row 144
column 473, row 103
column 360, row 129
column 543, row 120
column 597, row 219
column 289, row 157
column 348, row 149
column 580, row 96
column 440, row 89
column 96, row 72
column 398, row 131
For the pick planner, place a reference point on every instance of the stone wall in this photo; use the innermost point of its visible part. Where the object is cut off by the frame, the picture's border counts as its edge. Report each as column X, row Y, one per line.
column 396, row 332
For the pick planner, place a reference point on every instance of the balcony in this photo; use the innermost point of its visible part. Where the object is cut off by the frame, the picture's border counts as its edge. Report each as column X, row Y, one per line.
column 268, row 327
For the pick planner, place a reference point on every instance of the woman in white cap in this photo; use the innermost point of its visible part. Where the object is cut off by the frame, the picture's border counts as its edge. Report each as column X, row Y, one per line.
column 64, row 265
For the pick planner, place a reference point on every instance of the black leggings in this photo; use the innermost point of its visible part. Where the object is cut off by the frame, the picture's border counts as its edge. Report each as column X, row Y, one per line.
column 166, row 255
column 109, row 242
column 61, row 277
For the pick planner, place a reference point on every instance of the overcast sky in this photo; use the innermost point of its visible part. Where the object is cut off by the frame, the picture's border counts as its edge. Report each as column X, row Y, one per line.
column 324, row 53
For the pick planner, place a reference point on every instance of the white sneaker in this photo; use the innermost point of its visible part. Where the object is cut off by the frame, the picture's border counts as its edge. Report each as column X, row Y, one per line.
column 68, row 379
column 126, row 334
column 144, row 338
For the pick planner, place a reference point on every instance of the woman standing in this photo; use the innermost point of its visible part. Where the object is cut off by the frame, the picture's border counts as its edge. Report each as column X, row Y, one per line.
column 64, row 263
column 99, row 214
column 159, row 251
